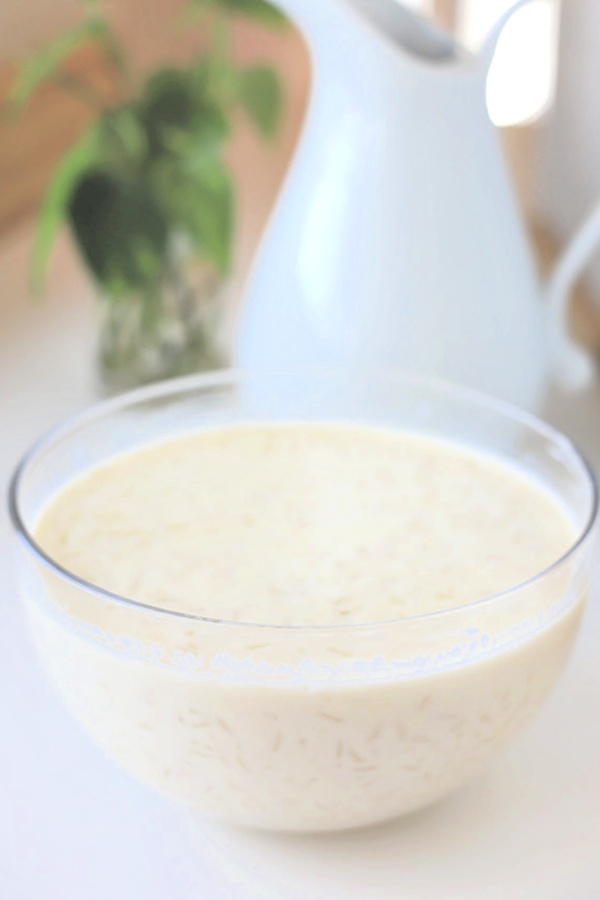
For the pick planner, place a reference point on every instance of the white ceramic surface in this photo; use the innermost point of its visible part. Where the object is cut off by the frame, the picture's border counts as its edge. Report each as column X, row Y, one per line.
column 397, row 237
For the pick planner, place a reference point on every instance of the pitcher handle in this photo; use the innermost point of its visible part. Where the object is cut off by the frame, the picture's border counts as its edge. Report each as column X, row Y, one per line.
column 488, row 48
column 572, row 366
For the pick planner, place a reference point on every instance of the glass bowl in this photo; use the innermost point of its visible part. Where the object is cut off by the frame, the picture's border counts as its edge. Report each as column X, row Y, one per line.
column 303, row 728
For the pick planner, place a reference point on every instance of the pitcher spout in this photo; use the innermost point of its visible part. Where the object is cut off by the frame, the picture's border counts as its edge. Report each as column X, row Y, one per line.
column 410, row 32
column 403, row 28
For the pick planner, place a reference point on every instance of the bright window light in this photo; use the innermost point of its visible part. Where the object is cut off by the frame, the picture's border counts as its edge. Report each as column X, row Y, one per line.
column 522, row 76
column 421, row 6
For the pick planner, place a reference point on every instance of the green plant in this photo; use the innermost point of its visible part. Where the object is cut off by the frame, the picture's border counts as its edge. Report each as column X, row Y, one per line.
column 150, row 169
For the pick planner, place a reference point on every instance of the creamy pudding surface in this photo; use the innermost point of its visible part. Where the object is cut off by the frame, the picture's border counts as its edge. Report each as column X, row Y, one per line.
column 304, row 729
column 304, row 525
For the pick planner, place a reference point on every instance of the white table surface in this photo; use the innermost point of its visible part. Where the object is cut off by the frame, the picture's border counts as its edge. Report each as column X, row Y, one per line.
column 73, row 827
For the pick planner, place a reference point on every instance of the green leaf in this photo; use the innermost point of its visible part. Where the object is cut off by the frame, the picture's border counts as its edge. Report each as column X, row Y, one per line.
column 179, row 114
column 198, row 200
column 113, row 51
column 193, row 13
column 54, row 205
column 122, row 139
column 120, row 229
column 261, row 94
column 256, row 9
column 43, row 64
column 214, row 214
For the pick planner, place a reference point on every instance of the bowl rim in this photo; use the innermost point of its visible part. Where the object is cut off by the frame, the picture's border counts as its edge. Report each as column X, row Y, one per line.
column 228, row 377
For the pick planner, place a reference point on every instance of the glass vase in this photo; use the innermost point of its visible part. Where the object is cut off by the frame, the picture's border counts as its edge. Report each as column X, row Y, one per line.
column 168, row 329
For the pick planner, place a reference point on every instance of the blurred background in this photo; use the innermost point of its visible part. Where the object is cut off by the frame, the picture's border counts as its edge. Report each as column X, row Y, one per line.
column 541, row 93
column 31, row 146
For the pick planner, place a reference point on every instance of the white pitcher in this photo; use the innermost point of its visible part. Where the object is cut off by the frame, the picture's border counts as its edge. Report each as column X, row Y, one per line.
column 397, row 238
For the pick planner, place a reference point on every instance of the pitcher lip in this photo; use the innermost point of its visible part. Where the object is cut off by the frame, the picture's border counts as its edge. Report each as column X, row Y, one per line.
column 301, row 12
column 222, row 378
column 424, row 30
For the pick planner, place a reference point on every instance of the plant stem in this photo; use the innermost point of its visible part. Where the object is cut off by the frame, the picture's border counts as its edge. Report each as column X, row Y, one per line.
column 193, row 14
column 220, row 57
column 116, row 57
column 78, row 87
